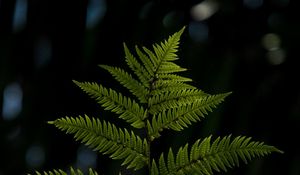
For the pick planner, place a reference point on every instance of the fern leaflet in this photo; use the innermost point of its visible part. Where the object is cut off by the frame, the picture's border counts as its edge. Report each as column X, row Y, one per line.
column 146, row 61
column 136, row 67
column 107, row 139
column 205, row 157
column 61, row 172
column 173, row 77
column 116, row 102
column 179, row 118
column 127, row 81
column 174, row 99
column 165, row 86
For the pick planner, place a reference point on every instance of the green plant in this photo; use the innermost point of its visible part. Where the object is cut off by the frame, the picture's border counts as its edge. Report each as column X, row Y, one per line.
column 165, row 100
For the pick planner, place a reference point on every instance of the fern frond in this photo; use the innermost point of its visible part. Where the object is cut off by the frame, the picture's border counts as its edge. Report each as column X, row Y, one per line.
column 173, row 77
column 146, row 61
column 61, row 172
column 137, row 68
column 166, row 50
column 164, row 53
column 130, row 111
column 179, row 118
column 174, row 99
column 205, row 157
column 154, row 169
column 154, row 60
column 163, row 86
column 107, row 139
column 169, row 67
column 135, row 87
column 159, row 61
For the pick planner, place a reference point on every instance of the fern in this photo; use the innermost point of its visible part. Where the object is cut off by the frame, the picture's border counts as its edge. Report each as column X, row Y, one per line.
column 116, row 102
column 126, row 80
column 204, row 156
column 107, row 139
column 161, row 99
column 61, row 172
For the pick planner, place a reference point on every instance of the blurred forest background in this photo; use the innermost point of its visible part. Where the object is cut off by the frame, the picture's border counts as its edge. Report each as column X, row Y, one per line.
column 245, row 46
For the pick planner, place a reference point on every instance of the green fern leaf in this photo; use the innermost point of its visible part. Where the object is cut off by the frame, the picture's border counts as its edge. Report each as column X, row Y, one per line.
column 169, row 67
column 137, row 68
column 127, row 81
column 174, row 99
column 166, row 51
column 159, row 61
column 164, row 86
column 154, row 169
column 206, row 157
column 115, row 102
column 107, row 139
column 154, row 60
column 61, row 172
column 173, row 77
column 179, row 118
column 146, row 61
column 171, row 161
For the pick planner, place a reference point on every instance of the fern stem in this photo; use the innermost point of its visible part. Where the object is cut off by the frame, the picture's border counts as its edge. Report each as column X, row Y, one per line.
column 148, row 133
column 149, row 152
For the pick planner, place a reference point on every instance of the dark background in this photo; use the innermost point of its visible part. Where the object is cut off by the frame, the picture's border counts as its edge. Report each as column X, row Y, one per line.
column 249, row 47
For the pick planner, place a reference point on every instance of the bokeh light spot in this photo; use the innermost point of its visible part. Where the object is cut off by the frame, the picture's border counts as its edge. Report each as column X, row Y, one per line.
column 204, row 10
column 253, row 4
column 20, row 15
column 35, row 156
column 86, row 158
column 271, row 41
column 12, row 101
column 42, row 52
column 198, row 31
column 95, row 12
column 276, row 57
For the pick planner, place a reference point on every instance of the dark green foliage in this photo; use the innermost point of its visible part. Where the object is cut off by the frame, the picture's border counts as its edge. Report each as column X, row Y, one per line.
column 116, row 102
column 107, row 139
column 204, row 156
column 165, row 101
column 61, row 172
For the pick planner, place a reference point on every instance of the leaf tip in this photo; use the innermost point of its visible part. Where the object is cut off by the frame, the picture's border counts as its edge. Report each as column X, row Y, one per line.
column 51, row 122
column 278, row 150
column 76, row 82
